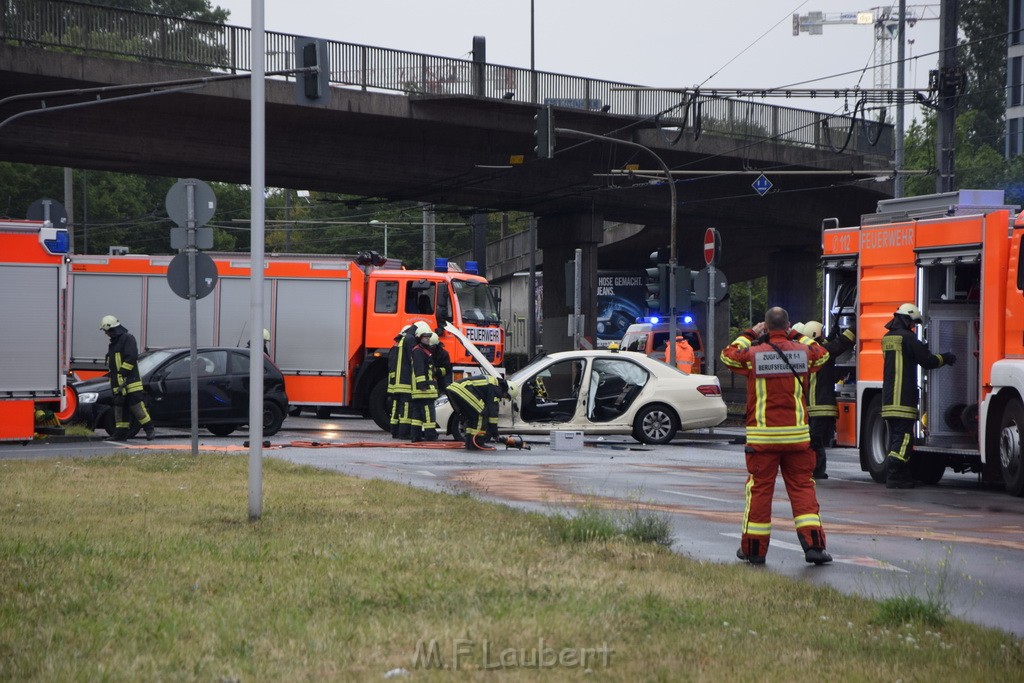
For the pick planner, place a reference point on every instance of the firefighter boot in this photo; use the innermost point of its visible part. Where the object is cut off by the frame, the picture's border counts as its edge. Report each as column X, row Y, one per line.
column 817, row 556
column 150, row 432
column 898, row 476
column 471, row 443
column 752, row 559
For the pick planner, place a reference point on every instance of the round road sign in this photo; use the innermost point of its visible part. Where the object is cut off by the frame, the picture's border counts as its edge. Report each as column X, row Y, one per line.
column 204, row 202
column 712, row 246
column 206, row 275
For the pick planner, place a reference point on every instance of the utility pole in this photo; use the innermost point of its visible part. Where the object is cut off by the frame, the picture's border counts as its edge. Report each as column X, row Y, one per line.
column 901, row 51
column 948, row 83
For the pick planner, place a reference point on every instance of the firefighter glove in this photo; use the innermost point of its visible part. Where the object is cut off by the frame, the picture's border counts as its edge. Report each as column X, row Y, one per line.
column 949, row 358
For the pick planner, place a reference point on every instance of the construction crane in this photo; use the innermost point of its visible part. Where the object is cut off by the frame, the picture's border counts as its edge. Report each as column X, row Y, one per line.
column 885, row 20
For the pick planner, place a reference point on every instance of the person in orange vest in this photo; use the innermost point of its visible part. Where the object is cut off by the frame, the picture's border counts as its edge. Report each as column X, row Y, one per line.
column 684, row 354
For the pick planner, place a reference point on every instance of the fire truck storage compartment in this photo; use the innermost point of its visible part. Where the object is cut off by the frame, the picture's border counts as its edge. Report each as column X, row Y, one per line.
column 949, row 281
column 30, row 335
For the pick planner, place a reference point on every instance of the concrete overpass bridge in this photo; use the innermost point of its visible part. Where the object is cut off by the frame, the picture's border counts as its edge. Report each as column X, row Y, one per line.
column 448, row 131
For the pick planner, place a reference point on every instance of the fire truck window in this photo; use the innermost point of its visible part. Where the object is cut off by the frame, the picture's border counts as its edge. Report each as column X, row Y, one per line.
column 419, row 300
column 386, row 297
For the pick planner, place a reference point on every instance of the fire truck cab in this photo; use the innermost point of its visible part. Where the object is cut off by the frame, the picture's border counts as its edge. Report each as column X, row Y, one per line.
column 957, row 256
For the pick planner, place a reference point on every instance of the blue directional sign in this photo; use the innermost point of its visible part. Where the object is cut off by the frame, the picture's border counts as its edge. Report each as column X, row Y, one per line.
column 762, row 185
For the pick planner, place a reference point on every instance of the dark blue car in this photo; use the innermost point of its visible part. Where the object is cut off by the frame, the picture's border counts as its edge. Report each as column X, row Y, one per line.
column 223, row 379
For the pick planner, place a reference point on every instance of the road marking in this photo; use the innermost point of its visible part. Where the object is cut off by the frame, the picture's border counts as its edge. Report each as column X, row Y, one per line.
column 426, row 473
column 872, row 562
column 694, row 495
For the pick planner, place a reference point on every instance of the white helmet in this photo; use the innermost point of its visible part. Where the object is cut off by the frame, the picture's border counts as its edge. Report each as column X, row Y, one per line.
column 423, row 328
column 812, row 329
column 434, row 340
column 108, row 322
column 266, row 334
column 798, row 328
column 911, row 311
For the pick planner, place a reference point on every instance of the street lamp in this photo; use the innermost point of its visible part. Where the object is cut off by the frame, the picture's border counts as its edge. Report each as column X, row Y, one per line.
column 376, row 222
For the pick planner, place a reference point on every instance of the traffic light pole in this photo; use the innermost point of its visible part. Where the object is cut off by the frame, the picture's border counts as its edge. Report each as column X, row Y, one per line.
column 672, row 261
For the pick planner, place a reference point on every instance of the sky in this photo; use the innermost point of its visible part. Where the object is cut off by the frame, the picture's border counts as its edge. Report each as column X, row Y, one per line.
column 669, row 43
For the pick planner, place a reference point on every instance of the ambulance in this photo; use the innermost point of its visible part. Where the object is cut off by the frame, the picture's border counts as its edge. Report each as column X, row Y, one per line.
column 957, row 256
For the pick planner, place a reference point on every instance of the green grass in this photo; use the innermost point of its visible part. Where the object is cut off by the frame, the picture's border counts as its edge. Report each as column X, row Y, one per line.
column 145, row 568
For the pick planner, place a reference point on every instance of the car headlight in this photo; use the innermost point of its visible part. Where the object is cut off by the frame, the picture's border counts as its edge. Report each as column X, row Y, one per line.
column 441, row 401
column 88, row 397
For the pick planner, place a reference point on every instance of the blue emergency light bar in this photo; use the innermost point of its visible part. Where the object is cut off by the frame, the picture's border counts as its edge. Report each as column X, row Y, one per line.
column 440, row 265
column 684, row 318
column 471, row 268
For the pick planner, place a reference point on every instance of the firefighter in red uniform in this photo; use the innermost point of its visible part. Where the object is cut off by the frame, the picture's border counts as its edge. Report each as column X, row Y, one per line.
column 777, row 363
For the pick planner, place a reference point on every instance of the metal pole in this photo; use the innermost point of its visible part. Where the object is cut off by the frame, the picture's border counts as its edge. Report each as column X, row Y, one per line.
column 577, row 299
column 945, row 118
column 710, row 357
column 256, row 255
column 531, row 330
column 193, row 371
column 69, row 205
column 429, row 242
column 287, row 221
column 901, row 49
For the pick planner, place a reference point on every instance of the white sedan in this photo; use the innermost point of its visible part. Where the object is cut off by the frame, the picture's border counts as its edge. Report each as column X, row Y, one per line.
column 602, row 392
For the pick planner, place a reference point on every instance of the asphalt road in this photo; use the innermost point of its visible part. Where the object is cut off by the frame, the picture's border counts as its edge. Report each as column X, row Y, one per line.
column 957, row 542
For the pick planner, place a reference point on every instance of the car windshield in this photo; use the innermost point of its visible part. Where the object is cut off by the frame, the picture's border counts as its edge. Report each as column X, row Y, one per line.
column 151, row 359
column 475, row 301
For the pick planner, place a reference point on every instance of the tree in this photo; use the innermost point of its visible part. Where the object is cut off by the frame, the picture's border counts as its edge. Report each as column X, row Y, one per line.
column 983, row 56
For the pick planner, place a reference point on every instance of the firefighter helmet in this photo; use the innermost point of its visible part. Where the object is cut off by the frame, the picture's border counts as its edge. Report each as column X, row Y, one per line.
column 911, row 311
column 266, row 334
column 812, row 329
column 108, row 322
column 423, row 328
column 798, row 328
column 434, row 339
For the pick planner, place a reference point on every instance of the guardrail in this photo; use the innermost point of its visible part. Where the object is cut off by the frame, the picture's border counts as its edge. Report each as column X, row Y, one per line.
column 75, row 26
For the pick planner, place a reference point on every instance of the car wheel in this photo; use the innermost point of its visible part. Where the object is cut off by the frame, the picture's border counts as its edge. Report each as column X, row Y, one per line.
column 273, row 417
column 655, row 424
column 1010, row 438
column 221, row 430
column 379, row 405
column 295, row 411
column 874, row 440
column 457, row 427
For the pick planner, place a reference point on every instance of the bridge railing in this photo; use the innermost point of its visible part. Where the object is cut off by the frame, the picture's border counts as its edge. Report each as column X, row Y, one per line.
column 79, row 27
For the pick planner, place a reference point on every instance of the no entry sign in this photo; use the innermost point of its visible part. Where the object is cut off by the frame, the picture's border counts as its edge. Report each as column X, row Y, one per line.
column 712, row 246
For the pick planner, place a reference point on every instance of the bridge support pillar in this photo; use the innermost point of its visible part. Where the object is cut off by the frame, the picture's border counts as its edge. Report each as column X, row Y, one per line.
column 793, row 283
column 559, row 237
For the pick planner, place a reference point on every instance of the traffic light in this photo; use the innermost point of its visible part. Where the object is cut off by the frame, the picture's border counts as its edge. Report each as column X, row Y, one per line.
column 544, row 133
column 684, row 286
column 657, row 283
column 313, row 86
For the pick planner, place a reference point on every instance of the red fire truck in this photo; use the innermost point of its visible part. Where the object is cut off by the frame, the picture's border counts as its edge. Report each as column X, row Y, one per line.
column 33, row 279
column 332, row 319
column 957, row 256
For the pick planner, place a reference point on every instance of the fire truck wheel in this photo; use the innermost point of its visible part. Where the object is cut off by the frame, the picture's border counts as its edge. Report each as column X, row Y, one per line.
column 1010, row 437
column 874, row 441
column 273, row 418
column 323, row 412
column 378, row 404
column 655, row 424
